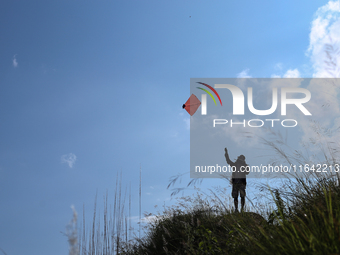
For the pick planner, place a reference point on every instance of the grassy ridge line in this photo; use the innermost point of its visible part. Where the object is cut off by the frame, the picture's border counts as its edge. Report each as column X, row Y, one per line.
column 306, row 222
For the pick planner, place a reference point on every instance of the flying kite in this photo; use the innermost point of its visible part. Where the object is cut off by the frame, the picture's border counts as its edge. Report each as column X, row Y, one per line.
column 192, row 104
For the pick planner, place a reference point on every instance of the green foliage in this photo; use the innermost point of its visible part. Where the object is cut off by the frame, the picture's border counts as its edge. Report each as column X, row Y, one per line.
column 312, row 227
column 200, row 231
column 306, row 221
column 281, row 212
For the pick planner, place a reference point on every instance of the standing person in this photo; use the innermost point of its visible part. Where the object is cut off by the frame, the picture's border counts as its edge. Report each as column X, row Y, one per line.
column 239, row 180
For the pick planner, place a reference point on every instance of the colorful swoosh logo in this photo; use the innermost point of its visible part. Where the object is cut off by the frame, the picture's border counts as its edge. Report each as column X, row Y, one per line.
column 208, row 92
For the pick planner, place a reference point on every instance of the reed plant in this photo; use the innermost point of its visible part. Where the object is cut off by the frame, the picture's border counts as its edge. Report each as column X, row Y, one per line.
column 106, row 236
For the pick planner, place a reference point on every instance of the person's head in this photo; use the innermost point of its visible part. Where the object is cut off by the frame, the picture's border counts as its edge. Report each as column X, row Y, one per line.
column 241, row 158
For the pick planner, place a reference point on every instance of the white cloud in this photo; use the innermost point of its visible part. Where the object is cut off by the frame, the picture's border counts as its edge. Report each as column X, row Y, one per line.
column 324, row 55
column 323, row 51
column 275, row 76
column 289, row 74
column 279, row 66
column 324, row 44
column 152, row 218
column 186, row 119
column 14, row 61
column 238, row 133
column 70, row 159
column 244, row 74
column 325, row 36
column 292, row 73
column 147, row 218
column 187, row 123
column 241, row 82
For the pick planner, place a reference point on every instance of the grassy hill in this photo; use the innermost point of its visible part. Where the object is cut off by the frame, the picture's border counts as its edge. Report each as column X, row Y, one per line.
column 306, row 220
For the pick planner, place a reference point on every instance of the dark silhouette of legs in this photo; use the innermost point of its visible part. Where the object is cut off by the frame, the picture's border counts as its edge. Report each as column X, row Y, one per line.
column 239, row 190
column 236, row 204
column 243, row 200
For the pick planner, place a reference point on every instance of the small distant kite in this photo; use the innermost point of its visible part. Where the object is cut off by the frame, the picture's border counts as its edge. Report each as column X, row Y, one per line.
column 192, row 104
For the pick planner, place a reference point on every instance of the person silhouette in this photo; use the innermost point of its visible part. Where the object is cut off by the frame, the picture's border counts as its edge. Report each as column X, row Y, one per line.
column 239, row 181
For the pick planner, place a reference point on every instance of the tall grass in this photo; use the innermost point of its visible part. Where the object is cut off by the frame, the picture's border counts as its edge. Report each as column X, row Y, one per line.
column 113, row 236
column 305, row 221
column 198, row 224
column 72, row 234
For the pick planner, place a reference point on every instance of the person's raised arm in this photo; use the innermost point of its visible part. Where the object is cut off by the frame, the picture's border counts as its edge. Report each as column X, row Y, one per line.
column 227, row 157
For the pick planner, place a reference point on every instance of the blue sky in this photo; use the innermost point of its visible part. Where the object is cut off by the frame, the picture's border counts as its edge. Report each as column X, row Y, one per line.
column 92, row 88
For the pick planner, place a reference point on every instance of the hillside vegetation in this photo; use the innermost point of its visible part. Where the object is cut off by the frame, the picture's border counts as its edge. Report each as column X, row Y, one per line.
column 305, row 220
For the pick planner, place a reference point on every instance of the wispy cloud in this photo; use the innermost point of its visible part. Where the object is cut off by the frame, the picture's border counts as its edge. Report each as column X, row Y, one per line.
column 278, row 66
column 325, row 29
column 147, row 218
column 70, row 159
column 292, row 73
column 275, row 76
column 323, row 50
column 324, row 54
column 324, row 44
column 241, row 82
column 186, row 120
column 14, row 61
column 244, row 74
column 187, row 123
